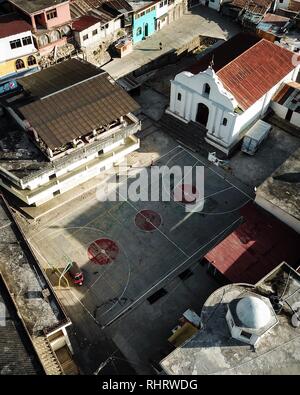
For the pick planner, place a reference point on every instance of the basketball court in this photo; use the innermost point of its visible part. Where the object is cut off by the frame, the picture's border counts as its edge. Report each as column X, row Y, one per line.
column 128, row 250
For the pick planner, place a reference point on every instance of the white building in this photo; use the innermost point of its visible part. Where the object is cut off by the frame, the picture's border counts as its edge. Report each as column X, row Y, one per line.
column 162, row 9
column 90, row 31
column 230, row 88
column 17, row 50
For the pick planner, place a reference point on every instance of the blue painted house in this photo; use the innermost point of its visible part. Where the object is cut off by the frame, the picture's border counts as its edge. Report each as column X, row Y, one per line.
column 144, row 20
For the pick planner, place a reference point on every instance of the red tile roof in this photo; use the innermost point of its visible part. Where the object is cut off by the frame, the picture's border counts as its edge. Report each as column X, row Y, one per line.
column 255, row 248
column 84, row 22
column 12, row 24
column 256, row 71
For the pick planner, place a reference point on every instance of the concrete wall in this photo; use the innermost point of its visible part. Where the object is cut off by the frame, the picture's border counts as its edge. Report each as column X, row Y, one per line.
column 281, row 111
column 161, row 8
column 6, row 53
column 140, row 22
column 63, row 16
column 283, row 216
column 8, row 68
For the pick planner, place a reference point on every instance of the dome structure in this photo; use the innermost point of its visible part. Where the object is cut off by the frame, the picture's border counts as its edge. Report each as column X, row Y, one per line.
column 253, row 312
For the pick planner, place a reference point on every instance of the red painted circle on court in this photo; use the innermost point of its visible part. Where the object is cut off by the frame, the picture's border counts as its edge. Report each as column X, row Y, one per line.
column 103, row 251
column 185, row 193
column 147, row 220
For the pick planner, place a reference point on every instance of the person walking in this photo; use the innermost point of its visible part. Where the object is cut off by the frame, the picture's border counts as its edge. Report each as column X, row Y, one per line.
column 160, row 46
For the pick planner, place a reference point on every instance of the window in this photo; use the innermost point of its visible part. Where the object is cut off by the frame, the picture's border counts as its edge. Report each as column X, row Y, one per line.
column 20, row 64
column 206, row 90
column 224, row 123
column 27, row 40
column 15, row 44
column 246, row 334
column 31, row 60
column 161, row 4
column 138, row 31
column 179, row 96
column 95, row 32
column 51, row 14
column 85, row 37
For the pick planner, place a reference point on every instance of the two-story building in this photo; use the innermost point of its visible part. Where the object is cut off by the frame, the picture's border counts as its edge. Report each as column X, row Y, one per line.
column 17, row 50
column 162, row 8
column 50, row 22
column 144, row 19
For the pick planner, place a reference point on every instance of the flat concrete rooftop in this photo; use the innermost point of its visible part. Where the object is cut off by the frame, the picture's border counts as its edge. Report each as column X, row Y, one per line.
column 282, row 188
column 212, row 350
column 35, row 301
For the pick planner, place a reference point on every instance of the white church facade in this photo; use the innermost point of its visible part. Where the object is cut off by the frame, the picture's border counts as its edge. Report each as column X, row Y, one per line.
column 227, row 100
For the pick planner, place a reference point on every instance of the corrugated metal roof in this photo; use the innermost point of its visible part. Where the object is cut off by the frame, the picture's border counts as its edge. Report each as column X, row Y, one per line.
column 255, row 6
column 255, row 247
column 57, row 77
column 84, row 22
column 256, row 71
column 76, row 111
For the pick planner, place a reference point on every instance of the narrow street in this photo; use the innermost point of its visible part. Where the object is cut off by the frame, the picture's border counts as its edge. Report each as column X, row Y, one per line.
column 199, row 21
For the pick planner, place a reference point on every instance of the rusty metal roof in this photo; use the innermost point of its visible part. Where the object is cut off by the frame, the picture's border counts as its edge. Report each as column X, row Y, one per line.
column 84, row 22
column 255, row 6
column 256, row 71
column 255, row 248
column 77, row 110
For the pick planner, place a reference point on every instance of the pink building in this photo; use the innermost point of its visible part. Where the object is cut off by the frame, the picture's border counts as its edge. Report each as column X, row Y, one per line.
column 50, row 21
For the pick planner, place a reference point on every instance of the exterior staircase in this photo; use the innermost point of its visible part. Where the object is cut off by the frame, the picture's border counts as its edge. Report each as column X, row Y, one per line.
column 47, row 356
column 191, row 135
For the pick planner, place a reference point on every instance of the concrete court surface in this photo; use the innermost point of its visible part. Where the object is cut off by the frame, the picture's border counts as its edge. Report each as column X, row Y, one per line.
column 132, row 261
column 199, row 21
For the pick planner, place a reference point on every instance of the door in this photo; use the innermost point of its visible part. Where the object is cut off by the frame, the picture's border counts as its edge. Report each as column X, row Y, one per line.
column 202, row 114
column 146, row 30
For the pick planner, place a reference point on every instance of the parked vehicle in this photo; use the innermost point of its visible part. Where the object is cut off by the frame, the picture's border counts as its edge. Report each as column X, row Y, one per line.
column 255, row 136
column 76, row 274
